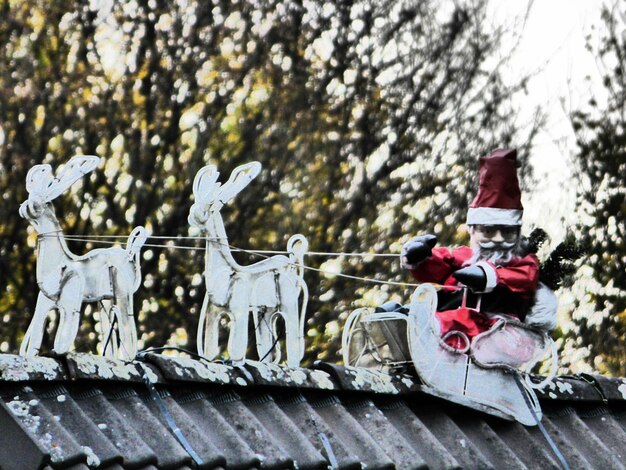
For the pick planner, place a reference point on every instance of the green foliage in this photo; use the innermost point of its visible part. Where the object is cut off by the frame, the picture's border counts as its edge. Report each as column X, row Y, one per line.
column 601, row 160
column 368, row 117
column 559, row 267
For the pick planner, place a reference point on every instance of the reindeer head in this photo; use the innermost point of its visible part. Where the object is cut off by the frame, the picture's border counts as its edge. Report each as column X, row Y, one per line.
column 43, row 187
column 210, row 195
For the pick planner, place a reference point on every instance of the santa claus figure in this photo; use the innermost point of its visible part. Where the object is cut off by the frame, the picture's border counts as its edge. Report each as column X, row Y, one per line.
column 494, row 278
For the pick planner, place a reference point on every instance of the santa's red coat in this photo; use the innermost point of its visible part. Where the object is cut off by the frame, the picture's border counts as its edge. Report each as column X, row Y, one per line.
column 515, row 286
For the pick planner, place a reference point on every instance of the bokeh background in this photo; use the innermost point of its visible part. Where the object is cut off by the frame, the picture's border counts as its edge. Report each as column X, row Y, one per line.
column 368, row 117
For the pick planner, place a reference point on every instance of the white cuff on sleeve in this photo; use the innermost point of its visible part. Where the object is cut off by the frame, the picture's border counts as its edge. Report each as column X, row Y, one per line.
column 490, row 272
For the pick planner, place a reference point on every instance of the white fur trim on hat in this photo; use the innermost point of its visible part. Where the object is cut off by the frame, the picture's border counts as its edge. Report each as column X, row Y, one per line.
column 490, row 273
column 493, row 216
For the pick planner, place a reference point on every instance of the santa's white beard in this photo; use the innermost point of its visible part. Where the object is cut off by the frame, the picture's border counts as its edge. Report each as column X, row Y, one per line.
column 499, row 254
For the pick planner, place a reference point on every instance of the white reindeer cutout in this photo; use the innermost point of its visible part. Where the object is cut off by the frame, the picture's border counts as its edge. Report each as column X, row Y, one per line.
column 66, row 281
column 268, row 289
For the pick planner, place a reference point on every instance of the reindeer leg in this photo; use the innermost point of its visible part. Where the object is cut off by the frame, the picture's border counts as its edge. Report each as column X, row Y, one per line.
column 127, row 328
column 69, row 304
column 123, row 310
column 291, row 316
column 264, row 334
column 109, row 337
column 208, row 329
column 292, row 337
column 277, row 351
column 32, row 339
column 238, row 339
column 201, row 325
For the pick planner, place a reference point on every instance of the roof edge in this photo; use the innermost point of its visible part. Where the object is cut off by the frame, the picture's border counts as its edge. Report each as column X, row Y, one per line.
column 321, row 376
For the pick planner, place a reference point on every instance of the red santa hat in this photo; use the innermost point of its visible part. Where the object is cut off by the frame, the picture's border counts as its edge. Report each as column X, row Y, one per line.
column 498, row 201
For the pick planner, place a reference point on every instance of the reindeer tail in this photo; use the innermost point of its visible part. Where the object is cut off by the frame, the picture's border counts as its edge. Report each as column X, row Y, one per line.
column 136, row 239
column 297, row 246
column 135, row 242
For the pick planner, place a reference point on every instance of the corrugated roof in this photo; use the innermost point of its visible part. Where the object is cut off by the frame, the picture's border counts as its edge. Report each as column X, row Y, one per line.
column 83, row 410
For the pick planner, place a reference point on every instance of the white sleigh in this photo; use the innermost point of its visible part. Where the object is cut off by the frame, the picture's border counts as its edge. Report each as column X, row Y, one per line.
column 480, row 377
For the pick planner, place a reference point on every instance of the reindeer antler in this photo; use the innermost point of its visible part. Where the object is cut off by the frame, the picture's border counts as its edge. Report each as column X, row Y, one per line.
column 38, row 179
column 73, row 170
column 205, row 184
column 239, row 179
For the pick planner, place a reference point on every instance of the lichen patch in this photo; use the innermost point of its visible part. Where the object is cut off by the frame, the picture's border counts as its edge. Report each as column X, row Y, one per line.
column 322, row 380
column 565, row 387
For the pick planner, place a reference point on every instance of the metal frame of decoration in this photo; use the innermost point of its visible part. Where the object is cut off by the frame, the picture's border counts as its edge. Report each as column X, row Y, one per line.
column 107, row 276
column 269, row 289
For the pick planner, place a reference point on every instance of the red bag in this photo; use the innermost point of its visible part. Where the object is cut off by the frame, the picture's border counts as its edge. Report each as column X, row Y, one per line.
column 468, row 321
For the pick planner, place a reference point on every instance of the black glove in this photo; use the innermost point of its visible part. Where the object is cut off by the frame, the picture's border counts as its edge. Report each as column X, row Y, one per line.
column 418, row 249
column 473, row 277
column 388, row 307
column 391, row 307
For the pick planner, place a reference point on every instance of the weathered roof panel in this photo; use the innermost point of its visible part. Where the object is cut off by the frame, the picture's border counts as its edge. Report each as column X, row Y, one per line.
column 19, row 369
column 101, row 414
column 116, row 427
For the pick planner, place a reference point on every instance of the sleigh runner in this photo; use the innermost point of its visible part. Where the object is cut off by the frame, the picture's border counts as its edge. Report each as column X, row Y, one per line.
column 485, row 375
